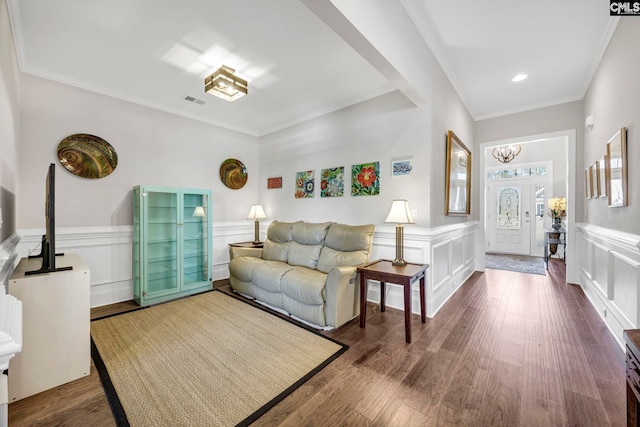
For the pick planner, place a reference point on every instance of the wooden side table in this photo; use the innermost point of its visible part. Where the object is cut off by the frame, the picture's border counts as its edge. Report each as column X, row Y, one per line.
column 383, row 271
column 258, row 245
column 632, row 341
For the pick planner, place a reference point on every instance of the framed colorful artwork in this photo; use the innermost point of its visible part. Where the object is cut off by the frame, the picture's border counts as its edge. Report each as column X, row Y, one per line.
column 401, row 167
column 332, row 182
column 275, row 182
column 365, row 179
column 305, row 184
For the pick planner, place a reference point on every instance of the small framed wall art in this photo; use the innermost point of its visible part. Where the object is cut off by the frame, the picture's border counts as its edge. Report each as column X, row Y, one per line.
column 401, row 167
column 275, row 182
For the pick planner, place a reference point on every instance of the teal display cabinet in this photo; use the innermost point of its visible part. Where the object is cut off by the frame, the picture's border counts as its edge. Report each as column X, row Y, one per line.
column 171, row 243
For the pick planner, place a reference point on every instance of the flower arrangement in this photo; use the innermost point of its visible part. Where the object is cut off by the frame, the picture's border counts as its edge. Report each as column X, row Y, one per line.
column 557, row 207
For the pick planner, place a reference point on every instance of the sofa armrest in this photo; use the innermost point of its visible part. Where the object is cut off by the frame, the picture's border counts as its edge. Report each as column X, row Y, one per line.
column 342, row 296
column 235, row 251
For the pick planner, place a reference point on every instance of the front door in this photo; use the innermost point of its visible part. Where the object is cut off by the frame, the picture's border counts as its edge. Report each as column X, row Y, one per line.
column 509, row 216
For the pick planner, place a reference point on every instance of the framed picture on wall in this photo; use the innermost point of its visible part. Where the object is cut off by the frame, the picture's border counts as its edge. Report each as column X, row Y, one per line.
column 587, row 183
column 601, row 176
column 616, row 169
column 457, row 177
column 595, row 180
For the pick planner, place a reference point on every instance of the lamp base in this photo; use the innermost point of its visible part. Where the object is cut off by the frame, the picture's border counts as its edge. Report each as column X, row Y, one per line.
column 398, row 262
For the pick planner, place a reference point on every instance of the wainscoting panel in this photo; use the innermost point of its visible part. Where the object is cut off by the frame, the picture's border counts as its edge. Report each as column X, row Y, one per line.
column 108, row 253
column 609, row 265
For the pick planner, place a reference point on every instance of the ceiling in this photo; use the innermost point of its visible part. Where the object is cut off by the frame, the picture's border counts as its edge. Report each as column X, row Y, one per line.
column 157, row 53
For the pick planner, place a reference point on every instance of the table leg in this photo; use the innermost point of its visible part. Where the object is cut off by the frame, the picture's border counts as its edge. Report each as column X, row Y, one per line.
column 383, row 293
column 363, row 300
column 407, row 312
column 423, row 316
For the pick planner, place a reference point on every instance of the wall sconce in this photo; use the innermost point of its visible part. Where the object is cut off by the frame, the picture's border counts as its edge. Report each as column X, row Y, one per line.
column 506, row 153
column 256, row 213
column 400, row 214
column 224, row 84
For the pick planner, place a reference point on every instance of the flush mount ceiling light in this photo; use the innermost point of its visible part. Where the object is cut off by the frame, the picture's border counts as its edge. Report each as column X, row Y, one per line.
column 226, row 85
column 506, row 153
column 519, row 78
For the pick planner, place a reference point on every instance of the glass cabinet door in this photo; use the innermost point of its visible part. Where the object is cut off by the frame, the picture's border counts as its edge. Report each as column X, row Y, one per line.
column 162, row 242
column 195, row 239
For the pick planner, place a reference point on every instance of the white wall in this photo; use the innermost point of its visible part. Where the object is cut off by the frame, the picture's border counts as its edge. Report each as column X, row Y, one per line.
column 613, row 99
column 153, row 147
column 9, row 140
column 609, row 238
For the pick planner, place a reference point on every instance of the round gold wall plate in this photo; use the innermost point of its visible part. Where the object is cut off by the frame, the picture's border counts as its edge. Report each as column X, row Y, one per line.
column 87, row 156
column 233, row 173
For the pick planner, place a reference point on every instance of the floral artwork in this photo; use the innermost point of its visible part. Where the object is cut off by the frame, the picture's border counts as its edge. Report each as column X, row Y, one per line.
column 305, row 184
column 332, row 182
column 365, row 179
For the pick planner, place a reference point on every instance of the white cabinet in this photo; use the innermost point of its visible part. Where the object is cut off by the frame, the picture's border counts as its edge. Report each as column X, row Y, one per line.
column 56, row 336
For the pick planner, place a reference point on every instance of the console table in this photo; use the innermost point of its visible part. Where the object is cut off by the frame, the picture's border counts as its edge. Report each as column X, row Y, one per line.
column 550, row 238
column 632, row 341
column 384, row 271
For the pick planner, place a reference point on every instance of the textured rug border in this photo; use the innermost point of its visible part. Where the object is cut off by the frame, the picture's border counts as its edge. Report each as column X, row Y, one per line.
column 118, row 411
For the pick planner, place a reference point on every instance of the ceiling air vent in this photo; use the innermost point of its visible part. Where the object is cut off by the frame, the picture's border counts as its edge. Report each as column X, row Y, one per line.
column 192, row 99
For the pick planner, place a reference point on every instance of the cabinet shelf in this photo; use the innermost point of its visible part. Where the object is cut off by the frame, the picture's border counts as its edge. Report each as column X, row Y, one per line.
column 171, row 248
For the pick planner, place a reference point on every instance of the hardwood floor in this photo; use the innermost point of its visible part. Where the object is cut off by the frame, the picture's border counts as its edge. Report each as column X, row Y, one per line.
column 507, row 349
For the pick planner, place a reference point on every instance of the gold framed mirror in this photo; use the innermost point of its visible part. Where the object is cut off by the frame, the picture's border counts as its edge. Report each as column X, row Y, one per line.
column 616, row 169
column 458, row 177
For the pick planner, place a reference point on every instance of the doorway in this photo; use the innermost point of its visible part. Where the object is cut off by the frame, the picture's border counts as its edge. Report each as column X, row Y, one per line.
column 566, row 170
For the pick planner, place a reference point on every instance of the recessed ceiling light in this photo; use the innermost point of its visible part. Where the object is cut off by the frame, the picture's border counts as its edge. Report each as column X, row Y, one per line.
column 519, row 78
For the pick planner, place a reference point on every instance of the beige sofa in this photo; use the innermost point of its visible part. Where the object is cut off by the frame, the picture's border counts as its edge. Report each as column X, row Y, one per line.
column 308, row 270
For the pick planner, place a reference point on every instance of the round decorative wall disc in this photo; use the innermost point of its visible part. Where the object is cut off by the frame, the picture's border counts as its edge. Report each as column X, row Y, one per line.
column 88, row 156
column 233, row 173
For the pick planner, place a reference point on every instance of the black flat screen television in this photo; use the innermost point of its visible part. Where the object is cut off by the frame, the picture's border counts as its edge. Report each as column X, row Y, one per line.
column 48, row 248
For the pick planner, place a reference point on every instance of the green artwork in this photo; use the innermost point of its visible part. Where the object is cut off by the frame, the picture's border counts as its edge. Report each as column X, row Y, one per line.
column 365, row 179
column 305, row 184
column 332, row 182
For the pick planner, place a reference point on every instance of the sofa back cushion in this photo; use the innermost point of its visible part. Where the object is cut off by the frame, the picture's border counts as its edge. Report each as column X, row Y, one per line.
column 306, row 243
column 276, row 246
column 346, row 245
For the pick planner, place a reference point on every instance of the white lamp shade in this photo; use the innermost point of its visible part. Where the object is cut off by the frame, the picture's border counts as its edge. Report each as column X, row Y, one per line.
column 400, row 213
column 256, row 212
column 199, row 212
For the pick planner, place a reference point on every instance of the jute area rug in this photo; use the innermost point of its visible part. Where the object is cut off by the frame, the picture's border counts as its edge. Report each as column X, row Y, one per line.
column 206, row 360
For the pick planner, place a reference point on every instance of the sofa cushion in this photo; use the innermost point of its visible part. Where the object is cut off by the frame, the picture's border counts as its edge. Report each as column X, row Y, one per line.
column 330, row 258
column 307, row 233
column 304, row 285
column 280, row 232
column 268, row 274
column 304, row 255
column 350, row 237
column 275, row 251
column 242, row 267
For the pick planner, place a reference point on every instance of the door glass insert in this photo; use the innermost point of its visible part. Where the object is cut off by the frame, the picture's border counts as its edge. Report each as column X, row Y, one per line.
column 196, row 239
column 509, row 208
column 540, row 198
column 162, row 261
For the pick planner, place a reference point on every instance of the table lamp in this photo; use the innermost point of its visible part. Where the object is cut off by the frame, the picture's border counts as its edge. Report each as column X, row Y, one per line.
column 257, row 213
column 400, row 214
